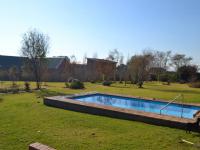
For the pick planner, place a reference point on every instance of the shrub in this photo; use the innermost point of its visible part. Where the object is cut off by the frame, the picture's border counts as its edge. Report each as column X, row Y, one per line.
column 66, row 85
column 1, row 99
column 164, row 77
column 120, row 82
column 107, row 83
column 173, row 77
column 140, row 84
column 27, row 86
column 195, row 84
column 182, row 82
column 76, row 84
column 14, row 88
column 92, row 81
column 3, row 90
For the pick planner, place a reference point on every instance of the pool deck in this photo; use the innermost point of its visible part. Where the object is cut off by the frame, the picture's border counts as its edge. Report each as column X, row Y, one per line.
column 129, row 114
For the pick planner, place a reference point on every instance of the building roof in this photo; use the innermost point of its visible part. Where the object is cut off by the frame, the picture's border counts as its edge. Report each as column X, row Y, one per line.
column 55, row 62
column 7, row 62
column 10, row 61
column 101, row 60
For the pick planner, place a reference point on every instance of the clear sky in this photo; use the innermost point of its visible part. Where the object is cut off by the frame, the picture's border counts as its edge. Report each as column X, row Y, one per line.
column 89, row 26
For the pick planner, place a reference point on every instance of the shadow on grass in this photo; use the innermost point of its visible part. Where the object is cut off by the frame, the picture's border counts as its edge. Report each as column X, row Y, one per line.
column 196, row 135
column 177, row 91
column 46, row 92
column 115, row 86
column 128, row 87
column 1, row 99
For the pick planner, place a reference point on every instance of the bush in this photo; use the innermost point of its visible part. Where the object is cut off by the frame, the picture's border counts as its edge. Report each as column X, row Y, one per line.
column 140, row 84
column 107, row 83
column 66, row 85
column 182, row 82
column 92, row 81
column 120, row 82
column 27, row 86
column 76, row 84
column 1, row 99
column 195, row 84
column 164, row 77
column 14, row 88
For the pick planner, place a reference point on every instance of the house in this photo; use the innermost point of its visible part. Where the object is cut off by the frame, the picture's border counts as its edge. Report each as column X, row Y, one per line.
column 60, row 69
column 55, row 66
column 101, row 69
column 6, row 62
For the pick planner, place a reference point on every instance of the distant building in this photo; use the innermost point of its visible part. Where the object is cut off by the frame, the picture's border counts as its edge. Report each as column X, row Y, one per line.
column 55, row 65
column 60, row 69
column 6, row 62
column 101, row 69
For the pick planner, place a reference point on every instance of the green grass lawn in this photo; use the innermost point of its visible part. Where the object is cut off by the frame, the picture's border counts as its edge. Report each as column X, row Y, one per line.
column 24, row 120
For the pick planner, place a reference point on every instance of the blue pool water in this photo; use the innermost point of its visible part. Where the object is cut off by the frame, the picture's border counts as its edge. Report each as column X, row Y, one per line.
column 140, row 104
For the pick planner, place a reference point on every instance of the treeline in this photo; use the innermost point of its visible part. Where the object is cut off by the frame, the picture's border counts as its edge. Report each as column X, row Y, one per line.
column 150, row 65
column 157, row 66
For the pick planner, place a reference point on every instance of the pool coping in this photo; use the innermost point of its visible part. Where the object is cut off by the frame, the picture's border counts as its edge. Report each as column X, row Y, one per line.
column 129, row 114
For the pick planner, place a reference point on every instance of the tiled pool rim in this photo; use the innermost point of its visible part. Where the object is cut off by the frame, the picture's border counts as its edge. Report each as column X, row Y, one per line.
column 66, row 102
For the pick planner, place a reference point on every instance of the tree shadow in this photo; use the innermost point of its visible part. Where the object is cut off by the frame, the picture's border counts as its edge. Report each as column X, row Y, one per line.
column 1, row 99
column 196, row 135
column 122, row 86
column 46, row 92
column 128, row 87
column 178, row 91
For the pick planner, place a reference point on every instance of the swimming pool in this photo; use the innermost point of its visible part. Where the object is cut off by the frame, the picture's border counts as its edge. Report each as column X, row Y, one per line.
column 173, row 109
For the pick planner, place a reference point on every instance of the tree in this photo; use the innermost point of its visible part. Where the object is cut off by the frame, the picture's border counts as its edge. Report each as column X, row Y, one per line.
column 187, row 73
column 121, row 59
column 85, row 58
column 160, row 63
column 121, row 68
column 121, row 72
column 116, row 56
column 139, row 66
column 73, row 59
column 161, row 59
column 179, row 60
column 65, row 72
column 95, row 55
column 113, row 55
column 13, row 74
column 71, row 66
column 35, row 47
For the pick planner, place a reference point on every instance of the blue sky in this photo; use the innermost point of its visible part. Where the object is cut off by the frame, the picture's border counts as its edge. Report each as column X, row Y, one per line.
column 88, row 26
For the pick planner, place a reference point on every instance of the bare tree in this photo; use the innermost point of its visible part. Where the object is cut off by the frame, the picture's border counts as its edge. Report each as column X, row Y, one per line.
column 35, row 48
column 73, row 59
column 139, row 66
column 179, row 60
column 114, row 55
column 73, row 62
column 160, row 63
column 121, row 68
column 121, row 59
column 85, row 58
column 161, row 59
column 13, row 74
column 95, row 55
column 65, row 72
column 117, row 57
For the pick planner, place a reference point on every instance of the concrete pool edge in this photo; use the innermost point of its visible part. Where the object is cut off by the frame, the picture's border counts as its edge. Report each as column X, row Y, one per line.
column 96, row 109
